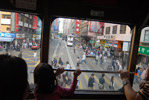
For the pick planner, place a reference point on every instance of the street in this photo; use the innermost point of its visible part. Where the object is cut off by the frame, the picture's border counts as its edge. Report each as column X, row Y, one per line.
column 58, row 48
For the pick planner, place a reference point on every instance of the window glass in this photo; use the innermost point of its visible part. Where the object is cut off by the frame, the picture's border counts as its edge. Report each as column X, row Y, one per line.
column 143, row 57
column 86, row 45
column 122, row 29
column 114, row 29
column 21, row 38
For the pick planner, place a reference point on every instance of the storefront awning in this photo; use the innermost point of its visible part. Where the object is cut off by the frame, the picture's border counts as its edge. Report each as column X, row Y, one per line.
column 3, row 39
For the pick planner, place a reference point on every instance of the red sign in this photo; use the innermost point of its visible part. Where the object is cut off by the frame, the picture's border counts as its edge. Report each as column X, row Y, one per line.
column 77, row 28
column 34, row 22
column 16, row 22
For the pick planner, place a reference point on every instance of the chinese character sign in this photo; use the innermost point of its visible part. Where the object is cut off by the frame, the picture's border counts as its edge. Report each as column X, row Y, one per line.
column 77, row 27
column 143, row 50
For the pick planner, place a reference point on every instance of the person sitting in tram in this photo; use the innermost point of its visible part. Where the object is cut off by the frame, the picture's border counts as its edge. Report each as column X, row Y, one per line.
column 46, row 86
column 143, row 93
column 13, row 75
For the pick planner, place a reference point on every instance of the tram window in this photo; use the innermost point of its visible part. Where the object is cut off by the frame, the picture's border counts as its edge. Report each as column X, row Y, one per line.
column 23, row 38
column 92, row 81
column 70, row 39
column 143, row 56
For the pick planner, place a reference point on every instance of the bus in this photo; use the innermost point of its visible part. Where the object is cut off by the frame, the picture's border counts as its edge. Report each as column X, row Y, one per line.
column 70, row 40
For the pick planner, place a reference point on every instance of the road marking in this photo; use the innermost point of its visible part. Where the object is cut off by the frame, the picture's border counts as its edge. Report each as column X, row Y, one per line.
column 80, row 85
column 37, row 63
column 86, row 77
column 54, row 55
column 29, row 60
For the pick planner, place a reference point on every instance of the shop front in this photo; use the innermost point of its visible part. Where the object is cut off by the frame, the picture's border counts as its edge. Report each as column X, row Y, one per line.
column 143, row 56
column 6, row 39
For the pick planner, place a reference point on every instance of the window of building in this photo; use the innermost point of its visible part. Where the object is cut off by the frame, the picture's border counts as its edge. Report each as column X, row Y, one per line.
column 6, row 16
column 107, row 30
column 20, row 17
column 146, row 36
column 122, row 29
column 114, row 29
column 8, row 28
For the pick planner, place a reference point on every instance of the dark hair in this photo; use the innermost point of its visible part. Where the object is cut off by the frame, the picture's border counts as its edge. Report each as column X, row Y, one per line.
column 44, row 78
column 13, row 76
column 92, row 74
column 103, row 74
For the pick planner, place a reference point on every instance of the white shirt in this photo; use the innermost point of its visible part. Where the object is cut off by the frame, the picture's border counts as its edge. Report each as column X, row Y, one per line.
column 84, row 56
column 35, row 54
column 68, row 66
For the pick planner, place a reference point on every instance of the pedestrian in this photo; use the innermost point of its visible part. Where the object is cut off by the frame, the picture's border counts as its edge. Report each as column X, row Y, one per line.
column 105, row 59
column 55, row 63
column 96, row 59
column 139, row 72
column 101, row 81
column 113, row 63
column 111, row 86
column 83, row 59
column 60, row 62
column 67, row 65
column 52, row 63
column 46, row 86
column 20, row 54
column 135, row 76
column 74, row 49
column 91, row 82
column 35, row 55
column 78, row 61
column 100, row 56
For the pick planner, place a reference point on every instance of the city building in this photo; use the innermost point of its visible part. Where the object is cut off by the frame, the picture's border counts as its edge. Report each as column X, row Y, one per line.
column 143, row 51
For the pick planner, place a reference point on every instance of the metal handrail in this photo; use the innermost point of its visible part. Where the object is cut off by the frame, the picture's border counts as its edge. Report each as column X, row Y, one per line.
column 94, row 71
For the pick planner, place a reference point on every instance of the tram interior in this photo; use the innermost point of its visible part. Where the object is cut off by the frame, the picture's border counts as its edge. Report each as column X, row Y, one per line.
column 112, row 34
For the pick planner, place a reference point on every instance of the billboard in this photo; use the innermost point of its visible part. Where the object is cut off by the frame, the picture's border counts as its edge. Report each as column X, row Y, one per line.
column 56, row 25
column 39, row 26
column 96, row 27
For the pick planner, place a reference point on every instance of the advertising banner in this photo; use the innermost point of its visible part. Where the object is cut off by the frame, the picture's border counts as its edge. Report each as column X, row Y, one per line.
column 34, row 22
column 16, row 22
column 77, row 27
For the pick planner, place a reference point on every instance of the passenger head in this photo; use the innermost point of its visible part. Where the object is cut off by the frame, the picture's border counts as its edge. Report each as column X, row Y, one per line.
column 92, row 75
column 103, row 74
column 44, row 78
column 13, row 76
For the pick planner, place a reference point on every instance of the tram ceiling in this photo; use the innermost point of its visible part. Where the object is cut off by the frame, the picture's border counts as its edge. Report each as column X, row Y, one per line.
column 118, row 11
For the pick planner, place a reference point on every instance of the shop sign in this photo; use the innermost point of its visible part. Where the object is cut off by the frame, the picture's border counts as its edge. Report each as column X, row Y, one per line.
column 20, row 36
column 102, row 42
column 143, row 50
column 125, row 46
column 9, row 35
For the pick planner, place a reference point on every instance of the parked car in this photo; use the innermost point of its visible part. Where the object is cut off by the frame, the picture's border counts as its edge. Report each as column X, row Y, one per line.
column 34, row 47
